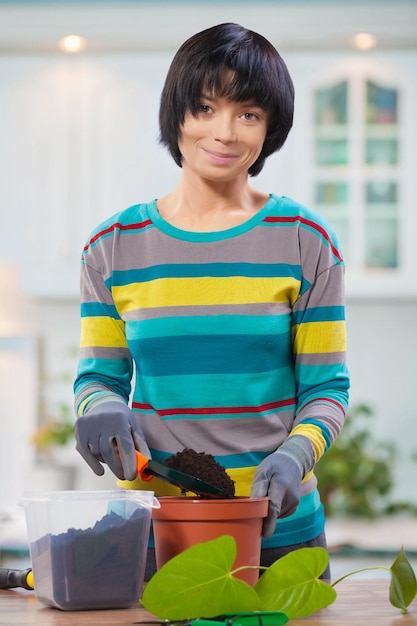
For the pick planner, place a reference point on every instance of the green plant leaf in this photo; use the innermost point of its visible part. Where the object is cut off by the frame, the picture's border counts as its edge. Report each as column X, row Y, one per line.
column 403, row 587
column 291, row 584
column 199, row 583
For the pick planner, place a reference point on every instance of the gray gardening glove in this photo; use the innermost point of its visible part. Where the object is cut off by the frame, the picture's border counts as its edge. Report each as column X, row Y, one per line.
column 109, row 434
column 279, row 476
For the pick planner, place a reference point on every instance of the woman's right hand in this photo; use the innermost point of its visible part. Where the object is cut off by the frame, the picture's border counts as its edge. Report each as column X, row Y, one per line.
column 109, row 434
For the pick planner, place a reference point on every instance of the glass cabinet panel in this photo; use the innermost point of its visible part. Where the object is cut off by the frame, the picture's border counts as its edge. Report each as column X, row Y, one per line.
column 331, row 152
column 381, row 248
column 381, row 116
column 381, row 224
column 381, row 197
column 380, row 193
column 361, row 198
column 331, row 105
column 381, row 151
column 332, row 193
column 332, row 203
column 331, row 117
column 381, row 104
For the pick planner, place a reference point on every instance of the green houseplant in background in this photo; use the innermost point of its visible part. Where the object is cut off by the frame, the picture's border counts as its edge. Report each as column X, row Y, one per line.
column 356, row 477
column 55, row 446
column 54, row 435
column 57, row 431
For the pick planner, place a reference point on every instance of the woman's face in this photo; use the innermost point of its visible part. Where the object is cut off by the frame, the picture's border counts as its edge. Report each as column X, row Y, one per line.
column 223, row 139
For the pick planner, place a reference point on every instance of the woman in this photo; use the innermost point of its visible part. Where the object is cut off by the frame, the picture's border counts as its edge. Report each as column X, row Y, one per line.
column 223, row 304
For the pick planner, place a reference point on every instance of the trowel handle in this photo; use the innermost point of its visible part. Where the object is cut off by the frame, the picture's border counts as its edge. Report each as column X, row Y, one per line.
column 141, row 465
column 11, row 578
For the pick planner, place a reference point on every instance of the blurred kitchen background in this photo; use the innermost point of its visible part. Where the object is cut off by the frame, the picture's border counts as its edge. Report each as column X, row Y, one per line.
column 79, row 142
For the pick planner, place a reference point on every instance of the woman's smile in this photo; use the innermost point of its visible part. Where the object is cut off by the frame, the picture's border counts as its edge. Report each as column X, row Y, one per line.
column 220, row 157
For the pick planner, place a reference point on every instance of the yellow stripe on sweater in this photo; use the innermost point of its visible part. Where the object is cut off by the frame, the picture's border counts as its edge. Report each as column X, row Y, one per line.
column 204, row 291
column 320, row 337
column 102, row 332
column 313, row 434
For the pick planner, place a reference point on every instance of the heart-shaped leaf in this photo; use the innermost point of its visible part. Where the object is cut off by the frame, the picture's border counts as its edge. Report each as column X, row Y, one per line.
column 291, row 584
column 198, row 583
column 403, row 587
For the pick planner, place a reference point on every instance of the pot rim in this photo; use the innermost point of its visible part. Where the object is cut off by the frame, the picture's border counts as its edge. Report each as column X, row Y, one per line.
column 184, row 508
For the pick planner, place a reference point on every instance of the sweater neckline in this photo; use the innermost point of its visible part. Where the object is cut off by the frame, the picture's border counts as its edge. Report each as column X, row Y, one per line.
column 217, row 235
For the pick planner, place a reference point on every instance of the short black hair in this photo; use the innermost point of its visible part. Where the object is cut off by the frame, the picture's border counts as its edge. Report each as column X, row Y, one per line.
column 258, row 74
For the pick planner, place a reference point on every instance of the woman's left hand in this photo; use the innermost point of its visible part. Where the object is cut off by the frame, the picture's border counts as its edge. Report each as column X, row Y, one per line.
column 279, row 477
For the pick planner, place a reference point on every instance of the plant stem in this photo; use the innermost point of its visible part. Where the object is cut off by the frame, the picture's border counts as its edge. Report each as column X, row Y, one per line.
column 358, row 571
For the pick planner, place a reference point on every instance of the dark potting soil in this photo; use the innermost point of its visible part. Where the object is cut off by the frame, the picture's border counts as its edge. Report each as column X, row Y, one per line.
column 205, row 467
column 98, row 568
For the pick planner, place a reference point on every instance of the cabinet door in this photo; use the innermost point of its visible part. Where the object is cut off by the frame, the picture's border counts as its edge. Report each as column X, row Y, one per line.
column 357, row 158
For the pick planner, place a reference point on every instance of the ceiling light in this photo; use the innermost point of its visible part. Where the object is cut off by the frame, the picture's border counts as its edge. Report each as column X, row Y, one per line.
column 72, row 43
column 364, row 41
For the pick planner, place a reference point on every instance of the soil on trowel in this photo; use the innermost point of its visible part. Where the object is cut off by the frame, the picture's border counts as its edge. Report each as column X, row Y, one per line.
column 205, row 467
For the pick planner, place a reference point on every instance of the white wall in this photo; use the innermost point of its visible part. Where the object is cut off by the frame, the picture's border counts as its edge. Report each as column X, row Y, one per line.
column 382, row 340
column 19, row 380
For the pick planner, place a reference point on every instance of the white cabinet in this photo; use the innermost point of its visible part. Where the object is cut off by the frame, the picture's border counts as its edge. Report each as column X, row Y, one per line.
column 355, row 149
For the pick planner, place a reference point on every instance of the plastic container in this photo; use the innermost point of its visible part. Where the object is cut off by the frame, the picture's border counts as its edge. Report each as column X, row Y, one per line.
column 88, row 548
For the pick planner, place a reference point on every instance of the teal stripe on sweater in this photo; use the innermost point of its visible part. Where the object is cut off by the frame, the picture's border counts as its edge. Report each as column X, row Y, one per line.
column 184, row 355
column 319, row 314
column 96, row 309
column 230, row 461
column 217, row 390
column 117, row 376
column 189, row 270
column 314, row 375
column 208, row 325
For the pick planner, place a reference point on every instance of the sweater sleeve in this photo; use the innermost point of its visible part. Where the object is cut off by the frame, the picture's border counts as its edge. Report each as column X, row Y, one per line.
column 319, row 347
column 105, row 365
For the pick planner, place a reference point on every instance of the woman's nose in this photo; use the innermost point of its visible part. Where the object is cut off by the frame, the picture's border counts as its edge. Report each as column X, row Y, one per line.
column 224, row 129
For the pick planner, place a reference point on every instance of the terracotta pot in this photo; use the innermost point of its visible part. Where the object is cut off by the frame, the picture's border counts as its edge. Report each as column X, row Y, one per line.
column 183, row 521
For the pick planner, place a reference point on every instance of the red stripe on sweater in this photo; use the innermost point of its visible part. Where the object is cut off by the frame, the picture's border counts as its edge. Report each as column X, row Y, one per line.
column 117, row 226
column 339, row 406
column 216, row 410
column 298, row 218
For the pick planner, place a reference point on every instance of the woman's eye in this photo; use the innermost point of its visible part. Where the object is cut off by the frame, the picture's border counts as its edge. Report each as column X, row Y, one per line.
column 204, row 108
column 250, row 117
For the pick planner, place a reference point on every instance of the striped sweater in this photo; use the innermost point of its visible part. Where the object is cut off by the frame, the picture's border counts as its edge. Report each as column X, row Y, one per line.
column 226, row 342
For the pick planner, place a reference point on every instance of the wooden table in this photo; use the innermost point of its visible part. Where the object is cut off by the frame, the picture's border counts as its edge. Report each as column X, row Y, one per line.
column 358, row 603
